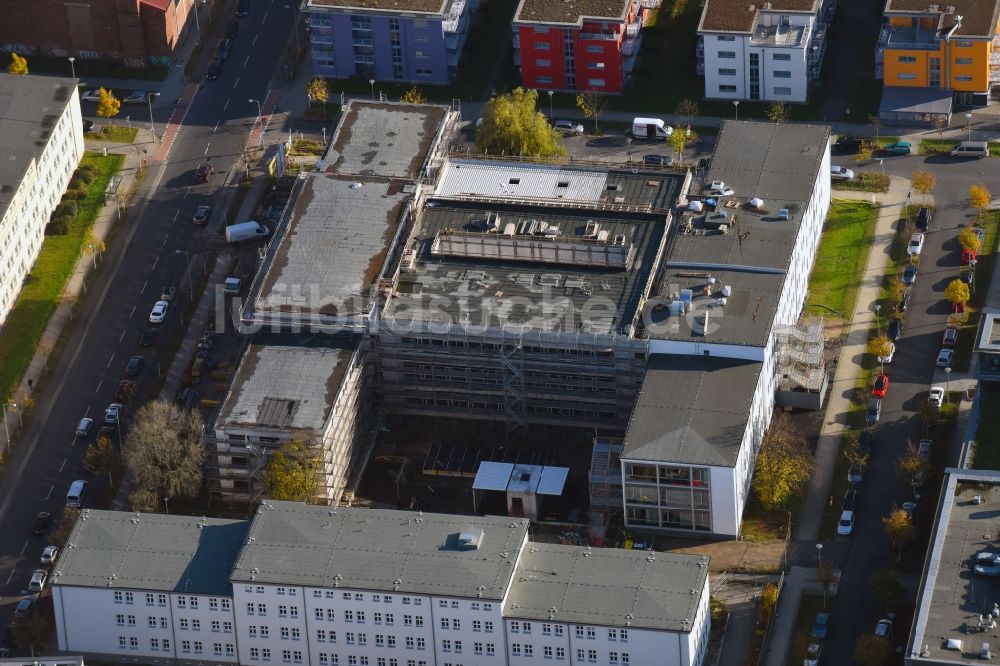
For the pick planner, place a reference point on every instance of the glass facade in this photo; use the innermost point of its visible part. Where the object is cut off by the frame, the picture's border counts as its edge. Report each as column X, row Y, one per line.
column 675, row 497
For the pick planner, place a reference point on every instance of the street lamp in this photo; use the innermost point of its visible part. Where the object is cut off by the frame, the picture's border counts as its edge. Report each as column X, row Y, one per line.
column 968, row 126
column 72, row 67
column 371, row 82
column 6, row 431
column 166, row 505
column 736, row 109
column 819, row 554
column 551, row 92
column 196, row 4
column 947, row 383
column 628, row 148
column 878, row 320
column 187, row 257
column 149, row 100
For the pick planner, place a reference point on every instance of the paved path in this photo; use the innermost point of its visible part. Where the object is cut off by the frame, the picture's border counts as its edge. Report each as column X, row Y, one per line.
column 173, row 126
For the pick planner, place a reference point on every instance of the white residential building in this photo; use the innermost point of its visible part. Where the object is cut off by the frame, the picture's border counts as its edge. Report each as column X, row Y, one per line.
column 767, row 51
column 41, row 134
column 366, row 587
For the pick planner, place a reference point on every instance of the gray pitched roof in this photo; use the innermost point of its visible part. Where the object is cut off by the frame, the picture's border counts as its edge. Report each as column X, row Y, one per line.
column 149, row 551
column 400, row 551
column 607, row 586
column 692, row 410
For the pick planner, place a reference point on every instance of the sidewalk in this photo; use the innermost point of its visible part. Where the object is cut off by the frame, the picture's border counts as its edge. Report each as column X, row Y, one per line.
column 799, row 580
column 839, row 402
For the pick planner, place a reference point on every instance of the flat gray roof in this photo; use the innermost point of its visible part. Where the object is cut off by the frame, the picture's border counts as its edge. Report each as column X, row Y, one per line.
column 951, row 598
column 692, row 410
column 607, row 586
column 533, row 294
column 150, row 551
column 333, row 247
column 286, row 386
column 382, row 550
column 30, row 106
column 384, row 139
column 904, row 99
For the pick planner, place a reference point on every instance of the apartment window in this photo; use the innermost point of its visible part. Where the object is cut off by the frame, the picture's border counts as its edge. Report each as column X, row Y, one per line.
column 624, row 635
column 963, row 61
column 559, row 630
column 560, row 653
column 725, row 38
column 781, row 56
column 541, row 30
column 133, row 642
column 265, row 654
column 907, row 76
column 596, row 83
column 543, row 62
column 254, row 653
column 613, row 657
column 488, row 627
column 727, row 55
column 213, row 604
column 782, row 74
column 118, row 597
column 592, row 656
column 161, row 600
column 421, row 54
column 154, row 643
column 907, row 59
column 515, row 649
column 779, row 90
column 198, row 647
column 727, row 88
column 595, row 48
column 544, row 80
column 227, row 627
column 284, row 633
column 225, row 604
column 595, row 65
column 424, row 72
column 183, row 623
column 727, row 71
column 591, row 634
column 149, row 599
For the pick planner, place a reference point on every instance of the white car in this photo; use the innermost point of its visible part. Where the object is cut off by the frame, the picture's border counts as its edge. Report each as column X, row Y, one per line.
column 846, row 523
column 113, row 413
column 841, row 173
column 935, row 397
column 944, row 358
column 813, row 653
column 50, row 554
column 137, row 97
column 91, row 96
column 892, row 352
column 37, row 583
column 568, row 127
column 159, row 312
column 916, row 245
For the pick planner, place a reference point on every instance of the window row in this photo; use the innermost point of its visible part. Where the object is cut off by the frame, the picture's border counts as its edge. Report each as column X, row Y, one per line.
column 283, row 610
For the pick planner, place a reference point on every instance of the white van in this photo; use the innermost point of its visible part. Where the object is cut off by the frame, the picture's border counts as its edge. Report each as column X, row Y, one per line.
column 76, row 494
column 650, row 128
column 971, row 149
column 246, row 231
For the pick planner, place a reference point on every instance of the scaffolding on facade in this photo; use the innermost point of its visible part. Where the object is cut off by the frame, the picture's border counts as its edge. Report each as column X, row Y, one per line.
column 799, row 350
column 605, row 477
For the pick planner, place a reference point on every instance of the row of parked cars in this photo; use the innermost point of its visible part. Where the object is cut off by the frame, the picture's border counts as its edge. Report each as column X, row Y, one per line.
column 821, row 628
column 225, row 45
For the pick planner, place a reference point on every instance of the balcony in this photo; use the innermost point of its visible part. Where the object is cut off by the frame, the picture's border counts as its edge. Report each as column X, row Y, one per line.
column 699, row 49
column 598, row 36
column 631, row 45
column 320, row 22
column 517, row 39
column 908, row 37
column 324, row 40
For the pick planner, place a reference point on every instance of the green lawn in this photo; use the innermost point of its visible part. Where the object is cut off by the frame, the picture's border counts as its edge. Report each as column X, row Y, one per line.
column 868, row 181
column 841, row 259
column 43, row 287
column 809, row 605
column 928, row 146
column 987, row 451
column 115, row 133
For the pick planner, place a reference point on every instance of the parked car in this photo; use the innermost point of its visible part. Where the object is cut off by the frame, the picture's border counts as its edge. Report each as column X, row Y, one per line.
column 884, row 627
column 201, row 215
column 88, row 125
column 37, row 582
column 214, row 69
column 904, row 302
column 895, row 329
column 967, row 275
column 159, row 312
column 813, row 653
column 856, row 474
column 944, row 358
column 25, row 607
column 821, row 625
column 881, row 385
column 987, row 563
column 203, row 171
column 910, row 508
column 918, row 480
column 866, row 441
column 968, row 256
column 83, row 427
column 846, row 523
column 568, row 127
column 134, row 366
column 916, row 245
column 848, row 143
column 885, row 360
column 91, row 96
column 232, row 28
column 925, row 447
column 899, row 148
column 950, row 337
column 148, row 337
column 113, row 413
column 841, row 173
column 167, row 293
column 41, row 523
column 874, row 411
column 222, row 50
column 657, row 160
column 935, row 396
column 849, row 503
column 137, row 97
column 243, row 8
column 980, row 233
column 910, row 274
column 924, row 218
column 958, row 308
column 50, row 554
column 106, row 432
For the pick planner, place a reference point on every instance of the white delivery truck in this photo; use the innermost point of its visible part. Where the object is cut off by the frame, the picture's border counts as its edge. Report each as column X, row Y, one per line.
column 246, row 231
column 650, row 128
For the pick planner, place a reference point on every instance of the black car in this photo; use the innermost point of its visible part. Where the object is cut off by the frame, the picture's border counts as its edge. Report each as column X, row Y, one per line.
column 88, row 125
column 148, row 337
column 41, row 524
column 134, row 366
column 904, row 301
column 243, row 8
column 966, row 276
column 203, row 171
column 232, row 28
column 874, row 410
column 865, row 442
column 895, row 330
column 657, row 160
column 214, row 69
column 850, row 500
column 222, row 51
column 923, row 218
column 847, row 144
column 910, row 274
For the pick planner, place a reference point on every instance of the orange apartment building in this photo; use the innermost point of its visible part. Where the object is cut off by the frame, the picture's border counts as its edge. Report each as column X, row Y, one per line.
column 932, row 56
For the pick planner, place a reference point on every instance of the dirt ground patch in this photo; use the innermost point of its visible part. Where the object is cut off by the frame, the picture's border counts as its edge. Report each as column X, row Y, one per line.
column 734, row 555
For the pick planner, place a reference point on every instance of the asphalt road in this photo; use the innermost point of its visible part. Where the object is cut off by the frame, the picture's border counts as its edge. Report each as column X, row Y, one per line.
column 146, row 254
column 856, row 610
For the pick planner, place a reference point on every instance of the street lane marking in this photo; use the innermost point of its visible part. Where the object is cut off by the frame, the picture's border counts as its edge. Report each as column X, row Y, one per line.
column 86, row 412
column 246, row 61
column 110, row 360
column 186, row 192
column 237, row 82
column 51, row 488
column 176, row 213
column 121, row 338
column 216, row 126
column 25, row 546
column 11, row 576
column 155, row 262
column 207, row 145
column 141, row 290
column 226, row 105
column 264, row 20
column 254, row 40
column 63, row 465
column 133, row 307
column 101, row 383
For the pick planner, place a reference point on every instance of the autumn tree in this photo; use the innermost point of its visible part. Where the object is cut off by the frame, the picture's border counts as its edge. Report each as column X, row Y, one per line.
column 909, row 464
column 512, row 125
column 777, row 112
column 979, row 198
column 899, row 528
column 939, row 123
column 414, row 96
column 677, row 140
column 60, row 533
column 101, row 458
column 969, row 240
column 871, row 650
column 896, row 288
column 923, row 182
column 93, row 245
column 592, row 103
column 319, row 90
column 783, row 467
column 957, row 292
column 18, row 64
column 164, row 449
column 865, row 152
column 687, row 110
column 880, row 346
column 292, row 473
column 108, row 105
column 885, row 585
column 143, row 500
column 854, row 455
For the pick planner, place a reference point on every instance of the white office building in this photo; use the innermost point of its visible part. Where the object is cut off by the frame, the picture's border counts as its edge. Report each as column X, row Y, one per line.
column 41, row 143
column 766, row 51
column 306, row 584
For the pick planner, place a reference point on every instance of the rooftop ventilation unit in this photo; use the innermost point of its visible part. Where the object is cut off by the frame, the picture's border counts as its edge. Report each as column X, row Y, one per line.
column 784, row 215
column 471, row 539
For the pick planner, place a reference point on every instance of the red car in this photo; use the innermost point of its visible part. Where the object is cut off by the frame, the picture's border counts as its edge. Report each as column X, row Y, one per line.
column 967, row 256
column 881, row 385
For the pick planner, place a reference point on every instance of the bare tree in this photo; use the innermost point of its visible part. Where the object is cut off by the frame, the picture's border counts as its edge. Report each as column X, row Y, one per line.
column 164, row 449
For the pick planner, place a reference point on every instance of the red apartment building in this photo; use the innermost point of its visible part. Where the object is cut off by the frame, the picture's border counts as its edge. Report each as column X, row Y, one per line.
column 581, row 45
column 128, row 31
